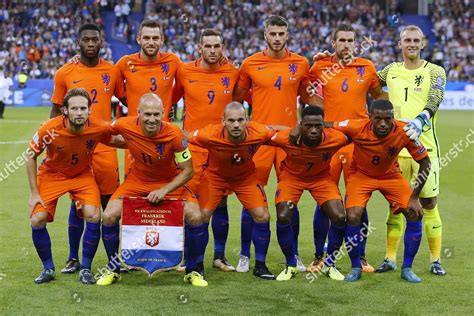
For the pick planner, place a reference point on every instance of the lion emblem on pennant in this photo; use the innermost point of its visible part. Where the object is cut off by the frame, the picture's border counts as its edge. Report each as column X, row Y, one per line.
column 152, row 238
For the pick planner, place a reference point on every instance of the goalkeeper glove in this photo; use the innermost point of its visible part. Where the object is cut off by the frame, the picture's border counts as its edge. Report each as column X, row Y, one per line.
column 417, row 125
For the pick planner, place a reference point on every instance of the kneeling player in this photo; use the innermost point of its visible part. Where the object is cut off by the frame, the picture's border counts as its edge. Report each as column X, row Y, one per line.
column 155, row 146
column 306, row 167
column 377, row 144
column 70, row 141
column 231, row 146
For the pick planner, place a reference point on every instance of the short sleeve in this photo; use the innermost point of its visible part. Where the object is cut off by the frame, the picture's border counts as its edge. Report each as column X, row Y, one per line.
column 244, row 78
column 349, row 127
column 415, row 148
column 60, row 88
column 382, row 75
column 374, row 80
column 37, row 144
column 115, row 127
column 119, row 91
column 199, row 137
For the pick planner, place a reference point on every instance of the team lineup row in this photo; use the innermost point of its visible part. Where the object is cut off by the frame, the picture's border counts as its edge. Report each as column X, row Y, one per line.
column 275, row 77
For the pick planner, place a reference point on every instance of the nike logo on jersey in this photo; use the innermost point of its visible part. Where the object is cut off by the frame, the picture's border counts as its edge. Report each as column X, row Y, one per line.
column 434, row 227
column 260, row 68
column 58, row 147
column 76, row 81
column 134, row 70
column 394, row 77
column 193, row 81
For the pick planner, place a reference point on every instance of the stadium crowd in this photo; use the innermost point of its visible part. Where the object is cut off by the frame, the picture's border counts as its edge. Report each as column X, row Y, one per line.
column 41, row 36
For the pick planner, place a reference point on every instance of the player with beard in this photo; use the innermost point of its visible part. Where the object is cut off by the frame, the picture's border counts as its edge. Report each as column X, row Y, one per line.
column 149, row 70
column 276, row 77
column 207, row 84
column 102, row 80
column 69, row 140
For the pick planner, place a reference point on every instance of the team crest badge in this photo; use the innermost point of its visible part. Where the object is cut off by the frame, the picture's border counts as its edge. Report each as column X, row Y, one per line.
column 106, row 79
column 152, row 238
column 360, row 71
column 165, row 68
column 160, row 149
column 90, row 144
column 293, row 68
column 226, row 82
column 418, row 80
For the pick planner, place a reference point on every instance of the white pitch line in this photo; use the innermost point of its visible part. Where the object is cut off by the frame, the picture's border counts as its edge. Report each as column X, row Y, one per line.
column 19, row 121
column 12, row 142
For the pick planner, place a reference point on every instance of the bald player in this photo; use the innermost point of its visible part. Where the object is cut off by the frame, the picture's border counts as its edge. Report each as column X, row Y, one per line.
column 161, row 165
column 276, row 77
column 102, row 80
column 231, row 146
column 207, row 84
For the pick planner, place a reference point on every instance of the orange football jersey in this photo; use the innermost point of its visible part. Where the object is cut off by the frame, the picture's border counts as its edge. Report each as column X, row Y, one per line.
column 101, row 81
column 143, row 77
column 206, row 93
column 377, row 156
column 227, row 159
column 153, row 157
column 275, row 84
column 68, row 154
column 309, row 162
column 344, row 88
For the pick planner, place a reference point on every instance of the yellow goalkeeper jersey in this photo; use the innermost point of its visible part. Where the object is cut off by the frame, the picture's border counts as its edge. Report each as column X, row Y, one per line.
column 413, row 90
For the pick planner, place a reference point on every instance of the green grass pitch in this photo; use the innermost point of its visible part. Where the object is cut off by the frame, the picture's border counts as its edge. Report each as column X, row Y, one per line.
column 235, row 293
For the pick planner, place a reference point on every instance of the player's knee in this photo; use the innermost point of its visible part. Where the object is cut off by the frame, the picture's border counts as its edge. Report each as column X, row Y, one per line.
column 353, row 218
column 38, row 221
column 428, row 203
column 261, row 216
column 193, row 217
column 109, row 218
column 339, row 219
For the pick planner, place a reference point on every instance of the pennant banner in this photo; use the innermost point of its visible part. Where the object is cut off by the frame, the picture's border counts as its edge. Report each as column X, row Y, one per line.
column 152, row 234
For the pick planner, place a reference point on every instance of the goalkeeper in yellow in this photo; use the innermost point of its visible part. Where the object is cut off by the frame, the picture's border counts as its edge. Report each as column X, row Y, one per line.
column 416, row 89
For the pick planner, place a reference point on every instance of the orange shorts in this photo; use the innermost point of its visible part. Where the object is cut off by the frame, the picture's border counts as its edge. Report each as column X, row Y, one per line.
column 264, row 159
column 394, row 188
column 341, row 161
column 106, row 172
column 51, row 187
column 133, row 186
column 199, row 162
column 249, row 191
column 322, row 189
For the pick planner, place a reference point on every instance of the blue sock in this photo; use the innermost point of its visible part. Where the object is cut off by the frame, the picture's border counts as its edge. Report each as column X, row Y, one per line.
column 353, row 244
column 335, row 238
column 186, row 240
column 220, row 229
column 90, row 244
column 42, row 244
column 200, row 258
column 197, row 245
column 295, row 225
column 285, row 239
column 75, row 229
column 364, row 231
column 412, row 239
column 246, row 231
column 111, row 239
column 320, row 231
column 261, row 240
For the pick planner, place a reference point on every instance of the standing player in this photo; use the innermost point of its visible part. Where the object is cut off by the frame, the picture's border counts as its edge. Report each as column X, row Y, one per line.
column 70, row 141
column 159, row 150
column 207, row 86
column 276, row 77
column 148, row 71
column 354, row 78
column 416, row 89
column 307, row 167
column 102, row 80
column 230, row 168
